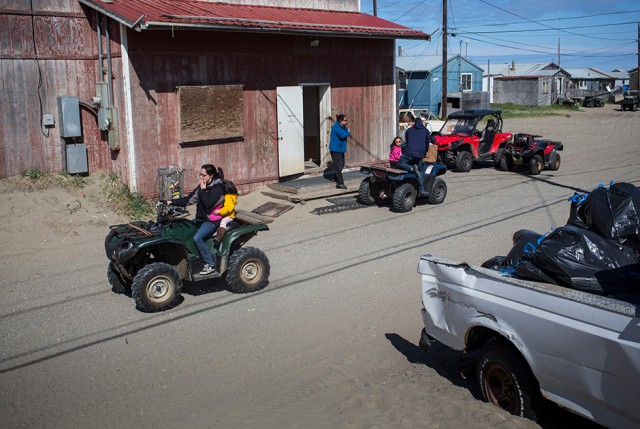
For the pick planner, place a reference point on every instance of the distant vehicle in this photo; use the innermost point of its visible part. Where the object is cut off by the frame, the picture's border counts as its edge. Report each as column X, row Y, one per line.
column 472, row 135
column 532, row 152
column 631, row 101
column 406, row 117
column 592, row 101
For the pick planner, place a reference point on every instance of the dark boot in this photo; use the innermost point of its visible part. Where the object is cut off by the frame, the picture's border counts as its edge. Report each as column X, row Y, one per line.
column 219, row 234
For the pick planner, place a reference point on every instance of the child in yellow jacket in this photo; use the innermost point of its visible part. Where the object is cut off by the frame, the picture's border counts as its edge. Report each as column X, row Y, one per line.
column 228, row 209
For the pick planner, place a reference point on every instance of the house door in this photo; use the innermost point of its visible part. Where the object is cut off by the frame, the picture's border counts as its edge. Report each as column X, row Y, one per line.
column 304, row 127
column 290, row 130
column 317, row 126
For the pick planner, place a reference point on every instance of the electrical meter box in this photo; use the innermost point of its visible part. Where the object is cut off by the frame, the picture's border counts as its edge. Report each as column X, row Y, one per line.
column 69, row 116
column 77, row 158
column 170, row 182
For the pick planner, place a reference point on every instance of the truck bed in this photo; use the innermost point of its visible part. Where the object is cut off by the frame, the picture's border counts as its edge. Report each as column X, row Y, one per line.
column 583, row 349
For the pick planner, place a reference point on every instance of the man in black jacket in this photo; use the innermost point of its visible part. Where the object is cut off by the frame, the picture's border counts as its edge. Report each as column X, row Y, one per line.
column 418, row 138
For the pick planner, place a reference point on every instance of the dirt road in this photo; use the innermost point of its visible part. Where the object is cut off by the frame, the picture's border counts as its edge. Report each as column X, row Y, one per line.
column 331, row 342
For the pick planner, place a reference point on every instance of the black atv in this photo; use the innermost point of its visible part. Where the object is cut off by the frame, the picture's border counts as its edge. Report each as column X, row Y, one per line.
column 150, row 259
column 401, row 187
column 532, row 152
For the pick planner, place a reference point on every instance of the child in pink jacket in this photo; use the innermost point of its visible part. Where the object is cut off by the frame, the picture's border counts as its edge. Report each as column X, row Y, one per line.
column 396, row 152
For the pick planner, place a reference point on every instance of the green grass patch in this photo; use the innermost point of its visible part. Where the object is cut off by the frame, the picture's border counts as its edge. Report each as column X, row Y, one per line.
column 510, row 110
column 121, row 200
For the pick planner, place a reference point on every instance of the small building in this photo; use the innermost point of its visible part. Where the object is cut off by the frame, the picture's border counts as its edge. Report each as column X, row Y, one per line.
column 420, row 83
column 622, row 78
column 589, row 81
column 529, row 84
column 131, row 86
column 633, row 79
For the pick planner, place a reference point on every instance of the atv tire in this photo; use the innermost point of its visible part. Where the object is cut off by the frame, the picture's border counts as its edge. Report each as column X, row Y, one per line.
column 248, row 270
column 118, row 284
column 554, row 161
column 364, row 193
column 404, row 198
column 464, row 162
column 535, row 165
column 156, row 287
column 439, row 192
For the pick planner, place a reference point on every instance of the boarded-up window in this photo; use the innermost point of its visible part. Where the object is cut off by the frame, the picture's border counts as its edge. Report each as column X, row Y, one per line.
column 210, row 113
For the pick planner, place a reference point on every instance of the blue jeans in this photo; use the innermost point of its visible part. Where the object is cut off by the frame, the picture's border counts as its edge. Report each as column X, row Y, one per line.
column 406, row 162
column 205, row 231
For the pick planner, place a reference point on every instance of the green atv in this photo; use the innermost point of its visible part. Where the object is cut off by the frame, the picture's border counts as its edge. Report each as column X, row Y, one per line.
column 150, row 260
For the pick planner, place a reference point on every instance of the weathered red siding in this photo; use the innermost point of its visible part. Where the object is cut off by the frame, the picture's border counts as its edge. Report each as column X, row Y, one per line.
column 359, row 72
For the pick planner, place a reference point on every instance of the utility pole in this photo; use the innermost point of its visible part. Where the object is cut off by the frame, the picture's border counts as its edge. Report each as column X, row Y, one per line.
column 558, row 52
column 443, row 113
column 375, row 8
column 638, row 60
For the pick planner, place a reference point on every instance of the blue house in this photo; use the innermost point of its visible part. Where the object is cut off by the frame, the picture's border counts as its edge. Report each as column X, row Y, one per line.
column 420, row 83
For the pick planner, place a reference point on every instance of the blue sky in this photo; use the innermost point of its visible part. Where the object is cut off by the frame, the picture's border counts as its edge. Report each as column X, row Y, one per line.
column 591, row 33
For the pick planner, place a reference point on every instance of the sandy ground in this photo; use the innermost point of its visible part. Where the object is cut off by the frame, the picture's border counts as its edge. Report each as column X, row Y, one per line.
column 331, row 342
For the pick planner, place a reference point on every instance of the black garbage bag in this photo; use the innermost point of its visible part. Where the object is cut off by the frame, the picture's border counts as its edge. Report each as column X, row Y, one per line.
column 525, row 243
column 526, row 270
column 495, row 263
column 582, row 259
column 614, row 213
column 576, row 212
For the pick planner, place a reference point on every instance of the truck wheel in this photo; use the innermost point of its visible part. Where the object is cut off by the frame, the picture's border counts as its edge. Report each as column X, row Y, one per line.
column 535, row 165
column 248, row 270
column 634, row 107
column 439, row 192
column 404, row 198
column 364, row 193
column 506, row 381
column 118, row 285
column 463, row 162
column 554, row 161
column 156, row 287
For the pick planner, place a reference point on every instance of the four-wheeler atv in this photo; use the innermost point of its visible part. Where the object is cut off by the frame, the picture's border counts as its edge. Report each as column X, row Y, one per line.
column 631, row 101
column 383, row 183
column 472, row 135
column 592, row 101
column 531, row 152
column 151, row 259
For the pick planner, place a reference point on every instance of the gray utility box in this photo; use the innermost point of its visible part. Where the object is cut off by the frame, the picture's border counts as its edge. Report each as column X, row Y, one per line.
column 69, row 117
column 77, row 158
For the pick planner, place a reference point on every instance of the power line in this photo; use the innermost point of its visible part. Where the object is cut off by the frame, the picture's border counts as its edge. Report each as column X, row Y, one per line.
column 557, row 19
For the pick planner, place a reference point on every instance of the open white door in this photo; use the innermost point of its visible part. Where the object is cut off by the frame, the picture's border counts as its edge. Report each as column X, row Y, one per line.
column 290, row 131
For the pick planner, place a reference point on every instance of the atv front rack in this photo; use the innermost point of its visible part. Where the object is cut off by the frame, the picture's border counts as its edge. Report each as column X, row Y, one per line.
column 133, row 232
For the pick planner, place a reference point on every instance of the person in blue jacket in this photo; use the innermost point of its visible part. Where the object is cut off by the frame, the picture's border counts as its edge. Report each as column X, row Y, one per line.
column 418, row 138
column 338, row 147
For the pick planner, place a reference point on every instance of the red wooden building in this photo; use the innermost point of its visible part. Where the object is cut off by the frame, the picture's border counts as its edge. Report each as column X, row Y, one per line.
column 144, row 84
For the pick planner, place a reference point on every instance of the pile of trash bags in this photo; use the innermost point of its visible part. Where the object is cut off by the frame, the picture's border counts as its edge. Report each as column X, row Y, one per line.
column 597, row 251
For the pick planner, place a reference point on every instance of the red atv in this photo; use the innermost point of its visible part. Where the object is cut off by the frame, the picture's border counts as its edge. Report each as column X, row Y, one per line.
column 532, row 152
column 472, row 135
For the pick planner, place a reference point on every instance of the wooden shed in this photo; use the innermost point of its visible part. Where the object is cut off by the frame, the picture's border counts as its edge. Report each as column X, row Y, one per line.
column 139, row 85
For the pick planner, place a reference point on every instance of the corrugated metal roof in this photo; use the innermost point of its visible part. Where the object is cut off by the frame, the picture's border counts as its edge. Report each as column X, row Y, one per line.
column 588, row 73
column 426, row 63
column 144, row 14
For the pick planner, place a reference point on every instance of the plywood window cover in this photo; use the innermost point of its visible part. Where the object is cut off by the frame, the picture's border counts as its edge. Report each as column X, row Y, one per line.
column 210, row 113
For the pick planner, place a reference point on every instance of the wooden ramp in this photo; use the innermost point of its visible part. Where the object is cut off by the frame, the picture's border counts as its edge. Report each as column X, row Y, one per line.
column 313, row 187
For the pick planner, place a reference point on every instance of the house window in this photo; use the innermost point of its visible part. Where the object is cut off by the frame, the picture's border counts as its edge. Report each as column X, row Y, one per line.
column 210, row 113
column 465, row 82
column 582, row 84
column 545, row 86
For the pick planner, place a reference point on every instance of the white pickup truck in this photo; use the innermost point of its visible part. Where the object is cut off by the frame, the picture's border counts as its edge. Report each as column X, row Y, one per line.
column 534, row 340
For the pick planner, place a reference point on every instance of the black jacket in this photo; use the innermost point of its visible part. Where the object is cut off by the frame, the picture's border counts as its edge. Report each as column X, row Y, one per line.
column 205, row 199
column 418, row 138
